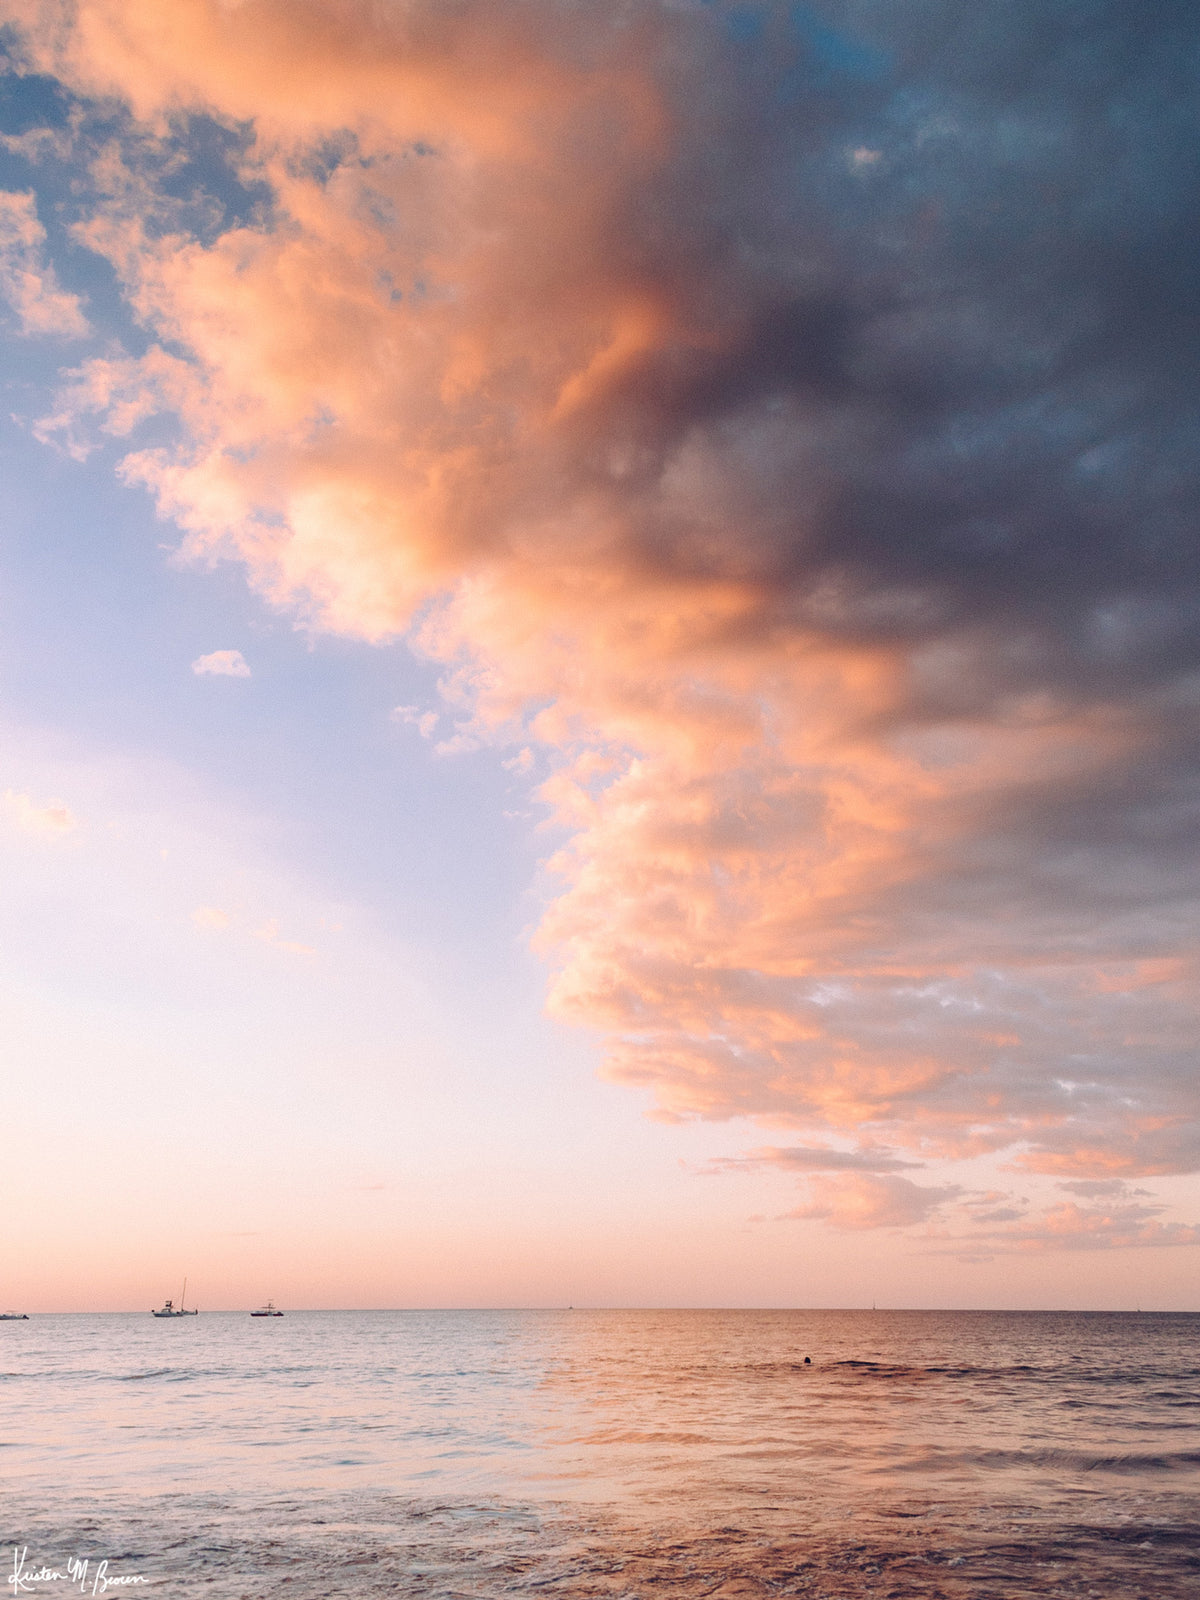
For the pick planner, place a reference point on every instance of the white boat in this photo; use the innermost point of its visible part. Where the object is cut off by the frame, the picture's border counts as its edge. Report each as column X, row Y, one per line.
column 267, row 1311
column 170, row 1309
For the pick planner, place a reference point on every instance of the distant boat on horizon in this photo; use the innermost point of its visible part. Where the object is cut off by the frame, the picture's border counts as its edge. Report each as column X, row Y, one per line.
column 14, row 1316
column 267, row 1311
column 170, row 1309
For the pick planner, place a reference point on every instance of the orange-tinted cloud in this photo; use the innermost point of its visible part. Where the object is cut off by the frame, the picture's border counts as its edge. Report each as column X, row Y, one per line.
column 50, row 820
column 1113, row 1217
column 27, row 281
column 858, row 1201
column 745, row 490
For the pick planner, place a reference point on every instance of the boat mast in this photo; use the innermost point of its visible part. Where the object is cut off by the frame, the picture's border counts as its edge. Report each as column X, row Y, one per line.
column 183, row 1296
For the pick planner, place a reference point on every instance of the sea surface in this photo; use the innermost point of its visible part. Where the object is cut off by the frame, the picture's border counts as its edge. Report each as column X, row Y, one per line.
column 603, row 1453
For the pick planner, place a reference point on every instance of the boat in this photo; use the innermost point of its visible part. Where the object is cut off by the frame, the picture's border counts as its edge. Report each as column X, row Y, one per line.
column 170, row 1309
column 14, row 1316
column 267, row 1311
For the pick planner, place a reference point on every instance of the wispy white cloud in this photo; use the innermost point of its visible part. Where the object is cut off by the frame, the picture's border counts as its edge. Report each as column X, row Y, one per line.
column 424, row 721
column 221, row 664
column 457, row 745
column 269, row 934
column 210, row 918
column 214, row 919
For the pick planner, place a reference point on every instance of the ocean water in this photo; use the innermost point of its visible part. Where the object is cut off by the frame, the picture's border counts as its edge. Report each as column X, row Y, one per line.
column 603, row 1453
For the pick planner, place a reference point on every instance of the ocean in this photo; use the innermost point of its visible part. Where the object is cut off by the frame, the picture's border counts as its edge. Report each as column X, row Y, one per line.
column 602, row 1453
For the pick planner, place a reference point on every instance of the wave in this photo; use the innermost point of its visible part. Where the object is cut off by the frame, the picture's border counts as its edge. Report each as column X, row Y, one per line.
column 1103, row 1376
column 232, row 1375
column 1062, row 1460
column 455, row 1548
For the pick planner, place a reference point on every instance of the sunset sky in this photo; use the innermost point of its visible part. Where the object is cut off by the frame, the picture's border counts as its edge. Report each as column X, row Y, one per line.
column 600, row 652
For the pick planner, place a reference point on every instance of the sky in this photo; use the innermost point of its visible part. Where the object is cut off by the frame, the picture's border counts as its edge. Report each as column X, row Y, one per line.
column 599, row 653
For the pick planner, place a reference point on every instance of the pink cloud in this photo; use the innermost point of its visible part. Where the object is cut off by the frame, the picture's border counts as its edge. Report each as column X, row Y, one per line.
column 27, row 281
column 1073, row 1227
column 495, row 380
column 1118, row 1218
column 861, row 1201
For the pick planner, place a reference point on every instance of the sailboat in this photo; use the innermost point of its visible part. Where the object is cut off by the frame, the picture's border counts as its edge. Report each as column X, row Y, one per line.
column 267, row 1311
column 170, row 1309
